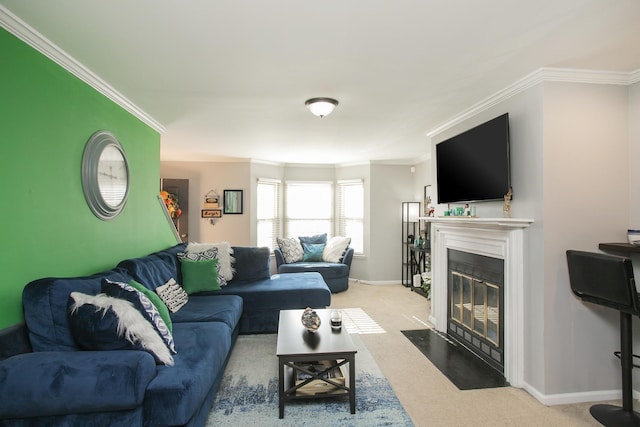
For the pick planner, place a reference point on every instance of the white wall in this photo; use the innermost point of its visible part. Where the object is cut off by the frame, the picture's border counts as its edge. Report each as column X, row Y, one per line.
column 586, row 202
column 390, row 186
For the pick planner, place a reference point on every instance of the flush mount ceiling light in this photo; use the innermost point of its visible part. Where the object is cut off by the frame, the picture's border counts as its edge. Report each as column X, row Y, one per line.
column 321, row 106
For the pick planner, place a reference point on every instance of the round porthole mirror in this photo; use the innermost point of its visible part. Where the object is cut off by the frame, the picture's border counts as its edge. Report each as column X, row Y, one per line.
column 105, row 175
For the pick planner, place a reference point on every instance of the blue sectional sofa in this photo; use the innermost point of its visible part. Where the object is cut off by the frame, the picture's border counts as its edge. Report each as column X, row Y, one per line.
column 46, row 379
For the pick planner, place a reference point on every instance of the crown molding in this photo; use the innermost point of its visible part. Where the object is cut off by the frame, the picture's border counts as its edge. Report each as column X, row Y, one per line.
column 541, row 75
column 33, row 38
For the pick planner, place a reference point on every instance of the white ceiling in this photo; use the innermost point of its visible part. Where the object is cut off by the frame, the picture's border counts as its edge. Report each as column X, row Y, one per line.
column 228, row 78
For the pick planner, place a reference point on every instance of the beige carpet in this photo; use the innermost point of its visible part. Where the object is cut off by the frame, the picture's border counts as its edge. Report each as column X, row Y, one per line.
column 426, row 394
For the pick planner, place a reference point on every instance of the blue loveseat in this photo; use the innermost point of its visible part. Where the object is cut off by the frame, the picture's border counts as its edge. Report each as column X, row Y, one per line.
column 46, row 379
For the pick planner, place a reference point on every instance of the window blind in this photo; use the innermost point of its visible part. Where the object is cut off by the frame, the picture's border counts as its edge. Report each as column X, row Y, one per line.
column 268, row 212
column 350, row 211
column 308, row 208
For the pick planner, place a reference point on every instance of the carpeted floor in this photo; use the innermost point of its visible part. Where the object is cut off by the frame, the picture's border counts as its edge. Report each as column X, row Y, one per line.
column 248, row 395
column 462, row 367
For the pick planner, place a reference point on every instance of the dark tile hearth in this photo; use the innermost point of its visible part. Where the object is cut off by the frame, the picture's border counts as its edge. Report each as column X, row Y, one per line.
column 464, row 369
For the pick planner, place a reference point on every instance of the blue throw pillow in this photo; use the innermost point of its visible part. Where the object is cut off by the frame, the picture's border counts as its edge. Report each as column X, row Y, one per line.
column 143, row 305
column 318, row 238
column 251, row 263
column 312, row 252
column 100, row 322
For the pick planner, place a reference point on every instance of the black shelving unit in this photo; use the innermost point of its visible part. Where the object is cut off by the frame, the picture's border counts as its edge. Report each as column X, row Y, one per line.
column 410, row 231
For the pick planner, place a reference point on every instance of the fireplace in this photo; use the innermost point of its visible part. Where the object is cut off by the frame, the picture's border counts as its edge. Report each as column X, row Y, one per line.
column 500, row 238
column 475, row 303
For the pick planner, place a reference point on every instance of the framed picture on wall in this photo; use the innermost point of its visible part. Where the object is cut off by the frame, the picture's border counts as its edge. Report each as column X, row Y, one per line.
column 232, row 201
column 211, row 213
column 211, row 202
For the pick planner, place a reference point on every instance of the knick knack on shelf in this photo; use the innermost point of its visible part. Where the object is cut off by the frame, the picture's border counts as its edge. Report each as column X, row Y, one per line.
column 506, row 207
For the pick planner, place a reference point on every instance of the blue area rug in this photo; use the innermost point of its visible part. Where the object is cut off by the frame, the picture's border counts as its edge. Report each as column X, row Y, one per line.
column 248, row 395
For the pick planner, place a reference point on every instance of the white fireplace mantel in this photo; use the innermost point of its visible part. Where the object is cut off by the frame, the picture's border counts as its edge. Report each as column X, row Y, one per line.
column 501, row 238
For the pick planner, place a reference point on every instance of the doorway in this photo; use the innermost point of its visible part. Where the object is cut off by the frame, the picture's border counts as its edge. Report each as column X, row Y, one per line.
column 180, row 189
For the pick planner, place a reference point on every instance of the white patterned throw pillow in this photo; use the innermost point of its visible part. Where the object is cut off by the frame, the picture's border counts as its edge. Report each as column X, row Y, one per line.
column 225, row 258
column 335, row 248
column 172, row 294
column 291, row 249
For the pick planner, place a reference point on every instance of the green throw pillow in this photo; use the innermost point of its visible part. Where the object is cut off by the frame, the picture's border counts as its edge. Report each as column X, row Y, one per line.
column 198, row 276
column 312, row 252
column 155, row 300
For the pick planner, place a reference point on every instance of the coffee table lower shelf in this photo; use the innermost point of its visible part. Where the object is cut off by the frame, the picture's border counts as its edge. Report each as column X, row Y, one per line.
column 331, row 378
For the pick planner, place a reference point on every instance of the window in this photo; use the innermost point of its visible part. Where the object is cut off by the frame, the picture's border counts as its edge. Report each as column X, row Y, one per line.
column 268, row 212
column 308, row 208
column 350, row 197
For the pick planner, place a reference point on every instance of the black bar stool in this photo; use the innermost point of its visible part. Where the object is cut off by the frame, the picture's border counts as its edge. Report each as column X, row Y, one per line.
column 608, row 280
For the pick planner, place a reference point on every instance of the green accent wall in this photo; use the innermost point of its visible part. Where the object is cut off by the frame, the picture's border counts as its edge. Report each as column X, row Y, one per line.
column 46, row 117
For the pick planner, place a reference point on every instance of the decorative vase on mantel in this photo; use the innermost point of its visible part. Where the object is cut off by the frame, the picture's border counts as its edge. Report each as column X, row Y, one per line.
column 506, row 207
column 310, row 320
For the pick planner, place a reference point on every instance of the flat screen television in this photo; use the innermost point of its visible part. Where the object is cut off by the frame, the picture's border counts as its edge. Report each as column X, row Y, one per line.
column 474, row 165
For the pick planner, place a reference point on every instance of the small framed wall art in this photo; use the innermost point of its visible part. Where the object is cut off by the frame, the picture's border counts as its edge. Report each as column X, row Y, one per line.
column 211, row 202
column 211, row 213
column 232, row 201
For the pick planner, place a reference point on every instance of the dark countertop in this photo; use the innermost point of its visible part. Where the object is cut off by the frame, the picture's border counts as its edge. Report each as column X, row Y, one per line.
column 626, row 248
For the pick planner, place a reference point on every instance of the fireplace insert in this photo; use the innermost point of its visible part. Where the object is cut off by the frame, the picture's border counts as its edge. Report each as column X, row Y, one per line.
column 476, row 305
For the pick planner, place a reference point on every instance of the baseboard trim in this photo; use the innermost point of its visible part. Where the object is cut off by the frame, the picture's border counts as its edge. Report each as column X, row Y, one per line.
column 375, row 282
column 580, row 397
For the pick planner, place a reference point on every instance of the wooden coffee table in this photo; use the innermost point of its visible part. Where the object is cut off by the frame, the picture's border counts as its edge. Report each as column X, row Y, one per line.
column 300, row 351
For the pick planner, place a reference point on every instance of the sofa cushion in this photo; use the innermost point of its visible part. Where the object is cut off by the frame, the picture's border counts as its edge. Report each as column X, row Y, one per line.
column 100, row 322
column 263, row 299
column 282, row 291
column 154, row 269
column 291, row 249
column 143, row 305
column 177, row 392
column 199, row 276
column 53, row 383
column 211, row 308
column 225, row 255
column 45, row 308
column 328, row 270
column 335, row 249
column 312, row 252
column 173, row 295
column 14, row 340
column 318, row 238
column 251, row 263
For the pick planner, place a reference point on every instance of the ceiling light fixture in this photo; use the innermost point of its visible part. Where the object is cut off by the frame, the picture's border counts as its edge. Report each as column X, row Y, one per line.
column 321, row 106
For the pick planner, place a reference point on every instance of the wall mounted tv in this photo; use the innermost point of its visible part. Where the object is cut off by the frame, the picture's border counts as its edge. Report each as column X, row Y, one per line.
column 474, row 165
